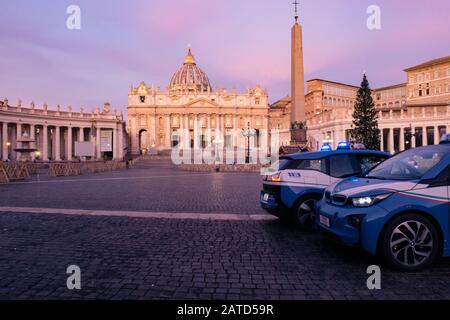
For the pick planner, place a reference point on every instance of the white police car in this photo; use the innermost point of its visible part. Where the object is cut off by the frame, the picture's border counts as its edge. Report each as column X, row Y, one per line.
column 299, row 180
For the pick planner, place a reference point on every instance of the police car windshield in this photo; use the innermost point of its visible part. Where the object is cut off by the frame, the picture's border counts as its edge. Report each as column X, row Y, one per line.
column 409, row 165
column 279, row 165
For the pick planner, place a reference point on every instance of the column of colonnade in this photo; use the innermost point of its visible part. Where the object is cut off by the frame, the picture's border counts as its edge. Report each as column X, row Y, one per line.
column 11, row 132
column 414, row 138
column 4, row 141
column 45, row 143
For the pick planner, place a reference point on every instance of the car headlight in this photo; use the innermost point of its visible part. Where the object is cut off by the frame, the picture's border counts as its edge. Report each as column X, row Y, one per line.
column 369, row 201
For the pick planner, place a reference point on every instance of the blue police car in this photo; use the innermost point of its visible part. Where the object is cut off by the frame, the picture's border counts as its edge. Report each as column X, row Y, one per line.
column 298, row 182
column 399, row 210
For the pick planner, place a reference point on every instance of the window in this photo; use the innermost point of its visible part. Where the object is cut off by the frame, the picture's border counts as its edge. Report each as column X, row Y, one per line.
column 316, row 164
column 438, row 90
column 428, row 89
column 343, row 166
column 368, row 162
column 420, row 90
column 142, row 99
column 228, row 141
column 175, row 140
column 257, row 138
column 312, row 164
column 257, row 100
column 409, row 165
column 203, row 141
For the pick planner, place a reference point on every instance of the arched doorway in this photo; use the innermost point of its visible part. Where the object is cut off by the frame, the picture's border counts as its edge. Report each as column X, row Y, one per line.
column 143, row 141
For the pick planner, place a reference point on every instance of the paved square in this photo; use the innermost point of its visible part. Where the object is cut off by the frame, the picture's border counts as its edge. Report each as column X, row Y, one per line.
column 139, row 257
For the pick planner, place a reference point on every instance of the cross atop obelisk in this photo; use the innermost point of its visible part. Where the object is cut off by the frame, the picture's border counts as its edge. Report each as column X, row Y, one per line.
column 295, row 3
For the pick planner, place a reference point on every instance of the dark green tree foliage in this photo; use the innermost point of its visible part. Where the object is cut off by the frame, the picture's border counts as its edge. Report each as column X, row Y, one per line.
column 365, row 118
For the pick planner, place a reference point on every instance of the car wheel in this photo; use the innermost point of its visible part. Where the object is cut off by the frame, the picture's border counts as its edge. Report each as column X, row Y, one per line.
column 303, row 214
column 409, row 243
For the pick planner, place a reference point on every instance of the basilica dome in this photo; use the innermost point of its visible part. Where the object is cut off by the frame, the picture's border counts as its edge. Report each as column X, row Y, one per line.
column 189, row 77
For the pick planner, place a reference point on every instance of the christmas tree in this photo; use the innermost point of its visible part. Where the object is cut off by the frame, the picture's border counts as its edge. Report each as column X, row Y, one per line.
column 365, row 118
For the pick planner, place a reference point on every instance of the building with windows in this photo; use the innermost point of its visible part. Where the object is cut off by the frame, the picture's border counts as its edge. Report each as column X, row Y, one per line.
column 52, row 134
column 190, row 114
column 411, row 114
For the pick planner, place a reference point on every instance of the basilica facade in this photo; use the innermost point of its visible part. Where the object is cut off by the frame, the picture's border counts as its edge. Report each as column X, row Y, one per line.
column 190, row 114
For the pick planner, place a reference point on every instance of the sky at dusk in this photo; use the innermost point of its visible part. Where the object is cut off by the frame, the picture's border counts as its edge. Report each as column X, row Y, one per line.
column 238, row 43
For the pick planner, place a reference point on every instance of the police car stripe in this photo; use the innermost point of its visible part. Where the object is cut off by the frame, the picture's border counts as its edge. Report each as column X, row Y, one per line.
column 394, row 186
column 427, row 197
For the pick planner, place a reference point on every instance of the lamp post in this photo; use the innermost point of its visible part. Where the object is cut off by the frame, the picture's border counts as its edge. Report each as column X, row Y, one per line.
column 216, row 142
column 410, row 135
column 8, row 148
column 248, row 134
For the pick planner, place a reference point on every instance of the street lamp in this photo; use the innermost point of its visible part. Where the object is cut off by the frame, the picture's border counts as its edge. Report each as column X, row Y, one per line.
column 410, row 135
column 216, row 142
column 8, row 148
column 248, row 134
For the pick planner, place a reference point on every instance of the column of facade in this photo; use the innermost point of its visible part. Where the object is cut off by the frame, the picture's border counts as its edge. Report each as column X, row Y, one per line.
column 235, row 132
column 208, row 131
column 413, row 137
column 5, row 141
column 45, row 143
column 120, row 142
column 168, row 132
column 391, row 146
column 222, row 126
column 153, row 130
column 69, row 144
column 181, row 132
column 265, row 139
column 382, row 139
column 437, row 137
column 402, row 139
column 424, row 136
column 217, row 128
column 98, row 153
column 134, row 132
column 57, row 144
column 187, row 132
column 196, row 132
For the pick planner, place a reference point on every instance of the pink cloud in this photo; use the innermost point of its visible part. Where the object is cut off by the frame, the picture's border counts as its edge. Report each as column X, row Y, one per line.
column 165, row 18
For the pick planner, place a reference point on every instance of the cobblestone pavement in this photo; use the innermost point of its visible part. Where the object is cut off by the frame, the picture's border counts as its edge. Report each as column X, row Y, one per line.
column 148, row 258
column 128, row 258
column 150, row 186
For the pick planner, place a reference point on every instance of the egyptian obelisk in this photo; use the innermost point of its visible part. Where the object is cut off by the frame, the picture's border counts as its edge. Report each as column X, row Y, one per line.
column 297, row 81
